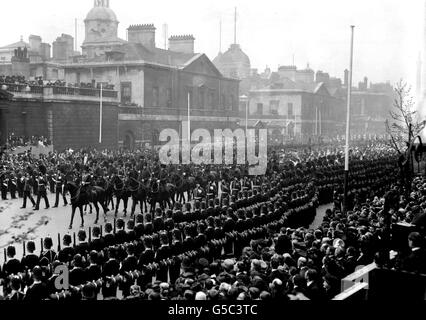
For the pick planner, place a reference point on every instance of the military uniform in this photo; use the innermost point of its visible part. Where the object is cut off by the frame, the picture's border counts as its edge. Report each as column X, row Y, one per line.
column 42, row 192
column 4, row 185
column 27, row 193
column 12, row 186
column 59, row 181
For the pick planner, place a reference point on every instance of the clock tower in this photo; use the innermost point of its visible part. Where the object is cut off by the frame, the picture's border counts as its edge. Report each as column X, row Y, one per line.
column 101, row 29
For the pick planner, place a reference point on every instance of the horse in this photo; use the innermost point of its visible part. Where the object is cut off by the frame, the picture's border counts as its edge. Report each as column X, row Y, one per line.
column 121, row 192
column 162, row 193
column 139, row 194
column 79, row 198
column 109, row 191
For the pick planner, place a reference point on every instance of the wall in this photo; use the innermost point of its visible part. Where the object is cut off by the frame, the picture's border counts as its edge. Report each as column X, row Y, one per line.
column 113, row 75
column 77, row 125
column 74, row 124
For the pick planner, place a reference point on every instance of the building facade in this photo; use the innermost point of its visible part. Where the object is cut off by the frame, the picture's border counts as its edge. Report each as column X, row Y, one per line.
column 68, row 117
column 154, row 87
column 295, row 114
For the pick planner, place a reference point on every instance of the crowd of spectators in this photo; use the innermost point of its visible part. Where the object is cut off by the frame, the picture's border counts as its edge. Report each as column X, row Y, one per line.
column 15, row 141
column 259, row 247
column 38, row 81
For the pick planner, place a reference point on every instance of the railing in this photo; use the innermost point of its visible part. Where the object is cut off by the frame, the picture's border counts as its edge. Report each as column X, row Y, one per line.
column 357, row 291
column 359, row 276
column 71, row 91
column 12, row 87
column 181, row 111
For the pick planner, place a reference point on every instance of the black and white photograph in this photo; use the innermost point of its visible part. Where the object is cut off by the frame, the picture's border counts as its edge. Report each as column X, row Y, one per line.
column 232, row 152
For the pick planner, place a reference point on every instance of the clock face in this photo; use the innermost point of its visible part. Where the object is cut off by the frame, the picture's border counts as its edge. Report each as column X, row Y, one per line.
column 100, row 29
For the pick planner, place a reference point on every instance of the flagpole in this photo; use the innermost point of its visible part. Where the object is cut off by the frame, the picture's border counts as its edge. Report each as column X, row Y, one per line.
column 348, row 119
column 189, row 119
column 100, row 117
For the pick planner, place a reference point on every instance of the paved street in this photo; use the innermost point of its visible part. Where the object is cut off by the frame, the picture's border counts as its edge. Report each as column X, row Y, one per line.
column 18, row 225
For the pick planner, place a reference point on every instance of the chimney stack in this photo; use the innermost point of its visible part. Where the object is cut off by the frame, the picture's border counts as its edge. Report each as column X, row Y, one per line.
column 182, row 43
column 346, row 80
column 143, row 34
column 35, row 43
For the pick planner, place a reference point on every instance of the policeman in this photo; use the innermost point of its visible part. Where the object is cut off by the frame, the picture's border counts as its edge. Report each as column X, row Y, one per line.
column 27, row 191
column 60, row 186
column 42, row 189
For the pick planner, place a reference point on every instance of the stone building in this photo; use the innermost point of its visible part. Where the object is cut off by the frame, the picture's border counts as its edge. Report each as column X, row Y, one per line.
column 155, row 87
column 295, row 112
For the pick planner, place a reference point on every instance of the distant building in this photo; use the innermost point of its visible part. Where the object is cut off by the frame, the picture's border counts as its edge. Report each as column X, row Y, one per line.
column 38, row 51
column 233, row 63
column 370, row 106
column 293, row 111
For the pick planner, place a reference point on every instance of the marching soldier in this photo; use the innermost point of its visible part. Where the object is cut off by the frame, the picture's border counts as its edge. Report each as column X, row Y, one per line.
column 4, row 186
column 27, row 192
column 20, row 184
column 12, row 185
column 51, row 178
column 42, row 192
column 60, row 186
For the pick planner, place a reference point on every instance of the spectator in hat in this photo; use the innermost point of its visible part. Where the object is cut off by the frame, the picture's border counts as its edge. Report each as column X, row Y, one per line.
column 416, row 260
column 38, row 290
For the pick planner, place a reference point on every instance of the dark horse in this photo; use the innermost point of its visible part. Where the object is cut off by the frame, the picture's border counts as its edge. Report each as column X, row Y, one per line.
column 79, row 198
column 162, row 193
column 121, row 192
column 184, row 184
column 106, row 184
column 139, row 193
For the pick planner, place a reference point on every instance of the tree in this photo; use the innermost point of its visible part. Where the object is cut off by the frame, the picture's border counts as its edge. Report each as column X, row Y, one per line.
column 404, row 131
column 405, row 126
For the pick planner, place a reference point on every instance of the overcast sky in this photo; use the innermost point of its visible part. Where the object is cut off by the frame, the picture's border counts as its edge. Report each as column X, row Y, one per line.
column 388, row 34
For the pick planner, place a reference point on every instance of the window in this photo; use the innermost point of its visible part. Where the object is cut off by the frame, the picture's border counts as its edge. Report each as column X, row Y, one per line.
column 223, row 102
column 273, row 105
column 259, row 110
column 169, row 97
column 201, row 98
column 232, row 103
column 155, row 97
column 211, row 100
column 126, row 92
column 290, row 110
